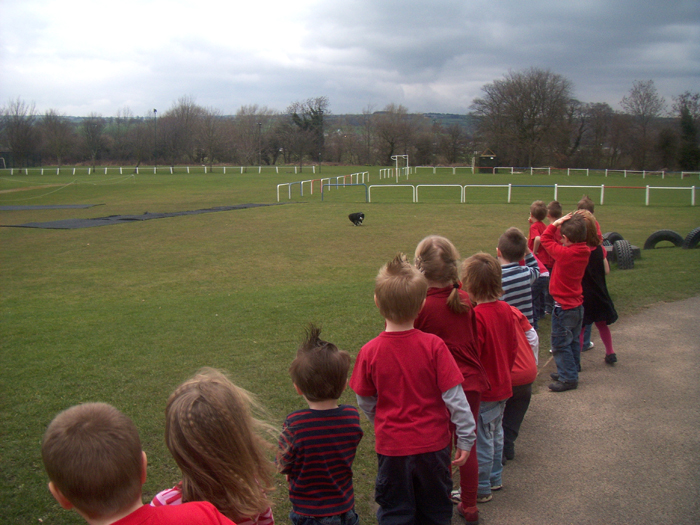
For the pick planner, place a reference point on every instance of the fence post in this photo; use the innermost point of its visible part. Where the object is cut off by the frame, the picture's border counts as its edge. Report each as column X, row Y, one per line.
column 556, row 191
column 647, row 195
column 602, row 193
column 510, row 188
column 692, row 195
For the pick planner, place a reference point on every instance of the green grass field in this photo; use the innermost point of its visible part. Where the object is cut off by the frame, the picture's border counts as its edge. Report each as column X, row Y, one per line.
column 124, row 313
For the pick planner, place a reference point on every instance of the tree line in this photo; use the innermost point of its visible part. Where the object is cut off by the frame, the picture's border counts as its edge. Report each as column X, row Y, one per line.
column 527, row 118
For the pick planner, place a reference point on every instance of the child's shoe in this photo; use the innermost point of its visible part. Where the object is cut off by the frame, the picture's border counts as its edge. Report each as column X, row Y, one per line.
column 483, row 498
column 563, row 386
column 456, row 496
column 611, row 359
column 470, row 514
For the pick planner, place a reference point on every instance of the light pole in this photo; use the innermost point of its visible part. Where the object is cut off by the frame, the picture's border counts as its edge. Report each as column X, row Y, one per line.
column 155, row 139
column 259, row 143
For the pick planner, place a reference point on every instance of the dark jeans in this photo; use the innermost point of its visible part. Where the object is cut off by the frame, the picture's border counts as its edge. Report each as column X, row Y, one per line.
column 539, row 292
column 566, row 347
column 349, row 518
column 548, row 299
column 414, row 490
column 513, row 416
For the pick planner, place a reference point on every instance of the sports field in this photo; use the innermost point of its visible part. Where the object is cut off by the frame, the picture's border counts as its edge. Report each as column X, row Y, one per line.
column 124, row 313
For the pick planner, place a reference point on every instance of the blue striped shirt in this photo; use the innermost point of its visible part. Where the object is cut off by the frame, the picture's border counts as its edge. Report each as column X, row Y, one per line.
column 517, row 284
column 317, row 448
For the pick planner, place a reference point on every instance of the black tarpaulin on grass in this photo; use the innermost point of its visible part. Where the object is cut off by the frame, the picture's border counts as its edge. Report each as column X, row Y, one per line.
column 48, row 207
column 71, row 224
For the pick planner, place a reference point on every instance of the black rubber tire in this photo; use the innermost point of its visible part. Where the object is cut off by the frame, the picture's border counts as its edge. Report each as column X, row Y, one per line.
column 692, row 239
column 611, row 237
column 624, row 255
column 663, row 235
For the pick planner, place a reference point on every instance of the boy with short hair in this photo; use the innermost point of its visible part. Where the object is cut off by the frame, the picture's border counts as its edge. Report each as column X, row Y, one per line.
column 538, row 213
column 554, row 212
column 409, row 385
column 571, row 259
column 92, row 454
column 517, row 280
column 481, row 278
column 318, row 444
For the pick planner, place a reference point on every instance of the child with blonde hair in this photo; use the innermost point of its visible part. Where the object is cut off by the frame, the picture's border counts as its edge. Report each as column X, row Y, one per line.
column 448, row 313
column 219, row 446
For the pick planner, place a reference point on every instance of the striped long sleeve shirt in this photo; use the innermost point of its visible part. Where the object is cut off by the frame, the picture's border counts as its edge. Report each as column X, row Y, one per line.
column 317, row 448
column 517, row 284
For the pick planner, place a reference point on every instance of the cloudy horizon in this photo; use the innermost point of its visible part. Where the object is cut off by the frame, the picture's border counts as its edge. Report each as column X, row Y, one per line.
column 80, row 57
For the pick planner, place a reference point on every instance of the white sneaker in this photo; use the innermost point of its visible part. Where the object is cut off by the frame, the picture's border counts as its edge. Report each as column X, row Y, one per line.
column 456, row 495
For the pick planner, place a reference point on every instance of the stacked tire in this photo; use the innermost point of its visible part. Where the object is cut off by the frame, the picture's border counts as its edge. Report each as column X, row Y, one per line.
column 620, row 250
column 692, row 239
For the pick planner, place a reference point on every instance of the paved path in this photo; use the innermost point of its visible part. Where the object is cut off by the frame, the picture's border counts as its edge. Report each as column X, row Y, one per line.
column 625, row 447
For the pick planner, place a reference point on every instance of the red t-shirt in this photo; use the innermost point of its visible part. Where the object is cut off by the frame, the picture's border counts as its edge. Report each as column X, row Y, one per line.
column 199, row 512
column 407, row 372
column 499, row 345
column 536, row 230
column 524, row 369
column 459, row 333
column 571, row 262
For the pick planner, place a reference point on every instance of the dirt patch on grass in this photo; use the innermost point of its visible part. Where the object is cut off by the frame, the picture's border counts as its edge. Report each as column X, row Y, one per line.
column 31, row 188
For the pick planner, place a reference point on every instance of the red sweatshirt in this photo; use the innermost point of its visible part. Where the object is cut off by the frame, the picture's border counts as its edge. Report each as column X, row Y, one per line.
column 570, row 265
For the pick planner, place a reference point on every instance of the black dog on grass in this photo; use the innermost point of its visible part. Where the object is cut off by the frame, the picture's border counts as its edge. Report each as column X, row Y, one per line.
column 357, row 218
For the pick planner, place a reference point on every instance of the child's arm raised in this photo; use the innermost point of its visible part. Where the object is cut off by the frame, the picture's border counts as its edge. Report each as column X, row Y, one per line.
column 462, row 417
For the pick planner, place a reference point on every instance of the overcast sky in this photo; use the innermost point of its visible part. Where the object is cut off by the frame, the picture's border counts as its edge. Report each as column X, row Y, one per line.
column 83, row 56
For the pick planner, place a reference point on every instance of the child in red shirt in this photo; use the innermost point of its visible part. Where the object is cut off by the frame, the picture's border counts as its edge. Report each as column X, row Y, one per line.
column 571, row 259
column 481, row 275
column 448, row 313
column 538, row 212
column 523, row 374
column 409, row 386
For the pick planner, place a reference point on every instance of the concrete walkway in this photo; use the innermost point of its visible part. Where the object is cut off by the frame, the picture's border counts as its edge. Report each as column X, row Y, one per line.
column 625, row 447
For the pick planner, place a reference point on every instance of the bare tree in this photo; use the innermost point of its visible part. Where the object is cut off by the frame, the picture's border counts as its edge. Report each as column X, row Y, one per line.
column 179, row 125
column 92, row 130
column 687, row 106
column 367, row 132
column 394, row 130
column 17, row 121
column 211, row 138
column 522, row 116
column 58, row 135
column 119, row 131
column 308, row 117
column 644, row 105
column 253, row 135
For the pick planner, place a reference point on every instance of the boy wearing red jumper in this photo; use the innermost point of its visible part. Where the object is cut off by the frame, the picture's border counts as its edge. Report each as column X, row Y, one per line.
column 409, row 386
column 481, row 276
column 571, row 259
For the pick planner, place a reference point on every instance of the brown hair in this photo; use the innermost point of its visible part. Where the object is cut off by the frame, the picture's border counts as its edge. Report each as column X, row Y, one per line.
column 554, row 210
column 400, row 290
column 586, row 204
column 92, row 454
column 481, row 275
column 438, row 259
column 320, row 370
column 538, row 210
column 512, row 245
column 217, row 442
column 575, row 229
column 592, row 238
